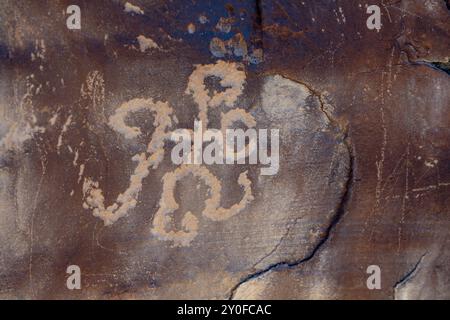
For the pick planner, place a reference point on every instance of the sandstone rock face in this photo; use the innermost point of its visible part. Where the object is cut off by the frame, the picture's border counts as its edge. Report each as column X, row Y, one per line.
column 87, row 177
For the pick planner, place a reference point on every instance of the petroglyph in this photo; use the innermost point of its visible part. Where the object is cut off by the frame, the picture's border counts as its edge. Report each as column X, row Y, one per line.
column 94, row 88
column 127, row 200
column 212, row 210
column 364, row 182
column 231, row 78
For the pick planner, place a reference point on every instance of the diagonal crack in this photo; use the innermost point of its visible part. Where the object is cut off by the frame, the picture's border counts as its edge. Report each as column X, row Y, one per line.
column 409, row 275
column 440, row 65
column 339, row 212
column 412, row 54
column 275, row 248
column 437, row 65
column 444, row 66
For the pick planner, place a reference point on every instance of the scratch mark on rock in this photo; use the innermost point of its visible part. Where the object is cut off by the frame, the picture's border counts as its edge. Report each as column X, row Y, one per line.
column 35, row 203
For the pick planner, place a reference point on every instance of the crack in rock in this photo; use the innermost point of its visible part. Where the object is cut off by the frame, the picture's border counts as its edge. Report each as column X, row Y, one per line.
column 437, row 65
column 444, row 66
column 339, row 213
column 401, row 284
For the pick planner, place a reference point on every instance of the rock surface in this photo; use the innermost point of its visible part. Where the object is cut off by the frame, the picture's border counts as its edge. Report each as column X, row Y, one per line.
column 87, row 178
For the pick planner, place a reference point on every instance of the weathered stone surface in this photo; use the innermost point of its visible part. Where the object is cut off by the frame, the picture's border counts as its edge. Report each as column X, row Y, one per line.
column 364, row 177
column 396, row 105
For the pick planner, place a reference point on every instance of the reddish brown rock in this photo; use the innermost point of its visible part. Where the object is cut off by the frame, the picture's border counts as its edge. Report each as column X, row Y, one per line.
column 364, row 150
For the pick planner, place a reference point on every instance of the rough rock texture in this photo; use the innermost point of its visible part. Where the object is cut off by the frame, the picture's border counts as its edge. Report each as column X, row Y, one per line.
column 364, row 177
